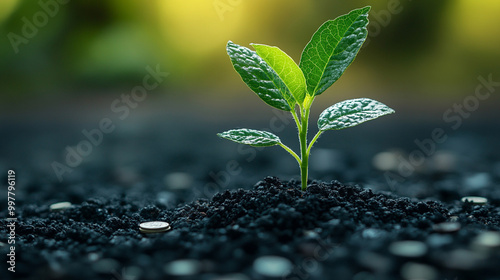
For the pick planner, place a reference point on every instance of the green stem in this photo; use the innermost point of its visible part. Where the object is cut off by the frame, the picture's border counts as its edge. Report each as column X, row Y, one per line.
column 314, row 140
column 296, row 118
column 290, row 151
column 303, row 148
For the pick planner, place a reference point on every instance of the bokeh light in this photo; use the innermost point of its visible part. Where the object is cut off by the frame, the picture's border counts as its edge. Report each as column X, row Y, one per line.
column 423, row 50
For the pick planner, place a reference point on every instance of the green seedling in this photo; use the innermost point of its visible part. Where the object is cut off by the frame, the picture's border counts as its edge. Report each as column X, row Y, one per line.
column 284, row 85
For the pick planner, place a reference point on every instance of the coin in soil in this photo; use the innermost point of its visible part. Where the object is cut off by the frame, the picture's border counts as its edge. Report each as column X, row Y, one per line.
column 60, row 206
column 408, row 248
column 489, row 240
column 447, row 227
column 475, row 200
column 154, row 227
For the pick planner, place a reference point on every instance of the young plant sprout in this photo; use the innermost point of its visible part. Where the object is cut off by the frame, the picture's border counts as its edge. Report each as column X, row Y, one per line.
column 283, row 84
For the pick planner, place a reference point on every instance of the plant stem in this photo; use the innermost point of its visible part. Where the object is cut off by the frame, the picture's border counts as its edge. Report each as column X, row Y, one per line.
column 296, row 118
column 314, row 140
column 290, row 151
column 303, row 147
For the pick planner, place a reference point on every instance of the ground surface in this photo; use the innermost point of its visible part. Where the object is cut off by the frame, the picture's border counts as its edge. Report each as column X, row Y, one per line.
column 230, row 220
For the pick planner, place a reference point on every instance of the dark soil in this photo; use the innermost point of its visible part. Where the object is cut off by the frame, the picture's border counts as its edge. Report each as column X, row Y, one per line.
column 331, row 231
column 252, row 230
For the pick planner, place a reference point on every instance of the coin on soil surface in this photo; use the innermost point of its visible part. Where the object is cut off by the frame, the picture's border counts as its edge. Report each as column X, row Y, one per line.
column 447, row 227
column 475, row 200
column 154, row 227
column 60, row 206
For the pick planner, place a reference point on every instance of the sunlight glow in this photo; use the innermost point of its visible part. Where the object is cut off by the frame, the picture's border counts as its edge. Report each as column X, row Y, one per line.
column 472, row 23
column 6, row 8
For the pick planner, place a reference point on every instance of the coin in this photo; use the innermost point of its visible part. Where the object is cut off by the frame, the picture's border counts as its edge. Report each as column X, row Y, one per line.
column 154, row 231
column 475, row 200
column 154, row 227
column 489, row 240
column 408, row 248
column 60, row 206
column 447, row 227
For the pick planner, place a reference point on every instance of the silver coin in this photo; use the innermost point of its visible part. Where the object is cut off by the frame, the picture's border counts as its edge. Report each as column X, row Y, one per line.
column 408, row 248
column 489, row 240
column 475, row 200
column 447, row 227
column 60, row 206
column 154, row 230
column 154, row 227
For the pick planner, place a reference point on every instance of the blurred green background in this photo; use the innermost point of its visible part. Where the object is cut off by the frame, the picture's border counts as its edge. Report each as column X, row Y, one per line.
column 424, row 50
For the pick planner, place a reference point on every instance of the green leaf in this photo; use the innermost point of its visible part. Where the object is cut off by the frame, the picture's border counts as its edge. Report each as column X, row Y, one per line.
column 260, row 77
column 251, row 137
column 350, row 113
column 332, row 49
column 286, row 68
